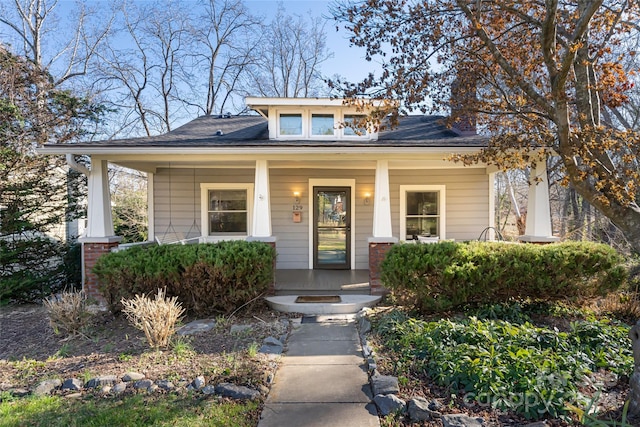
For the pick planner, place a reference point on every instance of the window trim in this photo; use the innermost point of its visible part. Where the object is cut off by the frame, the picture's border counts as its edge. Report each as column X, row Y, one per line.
column 204, row 209
column 441, row 190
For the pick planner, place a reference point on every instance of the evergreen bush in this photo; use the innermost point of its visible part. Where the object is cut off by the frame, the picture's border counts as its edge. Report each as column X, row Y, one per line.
column 206, row 278
column 446, row 275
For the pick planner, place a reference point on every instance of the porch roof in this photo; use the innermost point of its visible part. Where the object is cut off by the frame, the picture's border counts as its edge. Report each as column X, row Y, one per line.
column 215, row 132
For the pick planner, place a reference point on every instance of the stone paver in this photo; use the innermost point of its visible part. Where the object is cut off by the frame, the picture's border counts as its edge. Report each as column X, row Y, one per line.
column 322, row 380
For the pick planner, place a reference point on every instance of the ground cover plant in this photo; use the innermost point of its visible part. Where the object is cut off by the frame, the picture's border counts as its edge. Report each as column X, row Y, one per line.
column 527, row 360
column 449, row 275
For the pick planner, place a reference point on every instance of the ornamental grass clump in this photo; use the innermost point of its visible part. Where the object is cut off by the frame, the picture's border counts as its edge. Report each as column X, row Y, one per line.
column 157, row 317
column 68, row 313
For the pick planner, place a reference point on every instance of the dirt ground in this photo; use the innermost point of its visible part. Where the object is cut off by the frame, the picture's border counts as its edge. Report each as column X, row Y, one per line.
column 30, row 351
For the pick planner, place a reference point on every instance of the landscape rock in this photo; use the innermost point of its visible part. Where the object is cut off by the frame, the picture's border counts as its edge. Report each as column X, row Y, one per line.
column 209, row 389
column 389, row 404
column 366, row 350
column 237, row 392
column 75, row 395
column 153, row 388
column 272, row 346
column 434, row 405
column 119, row 388
column 418, row 409
column 100, row 381
column 537, row 424
column 461, row 420
column 365, row 326
column 198, row 382
column 105, row 389
column 132, row 376
column 19, row 392
column 384, row 384
column 72, row 384
column 197, row 327
column 165, row 385
column 142, row 384
column 46, row 387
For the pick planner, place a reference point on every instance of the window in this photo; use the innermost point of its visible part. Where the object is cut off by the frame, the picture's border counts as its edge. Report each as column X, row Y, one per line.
column 322, row 125
column 354, row 125
column 290, row 124
column 422, row 211
column 226, row 209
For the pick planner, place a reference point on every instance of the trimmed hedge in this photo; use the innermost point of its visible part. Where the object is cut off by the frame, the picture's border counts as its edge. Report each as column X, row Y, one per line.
column 446, row 275
column 206, row 278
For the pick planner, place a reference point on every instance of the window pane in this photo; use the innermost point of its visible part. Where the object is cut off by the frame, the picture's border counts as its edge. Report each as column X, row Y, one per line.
column 421, row 227
column 227, row 200
column 290, row 124
column 322, row 124
column 422, row 203
column 353, row 130
column 227, row 222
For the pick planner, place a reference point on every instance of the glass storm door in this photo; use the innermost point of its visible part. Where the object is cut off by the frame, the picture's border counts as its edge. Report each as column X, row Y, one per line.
column 332, row 228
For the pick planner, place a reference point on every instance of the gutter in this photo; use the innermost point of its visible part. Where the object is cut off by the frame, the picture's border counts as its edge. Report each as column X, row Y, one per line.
column 71, row 161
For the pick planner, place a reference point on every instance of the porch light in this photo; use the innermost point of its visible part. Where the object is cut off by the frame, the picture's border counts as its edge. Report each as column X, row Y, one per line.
column 296, row 196
column 367, row 198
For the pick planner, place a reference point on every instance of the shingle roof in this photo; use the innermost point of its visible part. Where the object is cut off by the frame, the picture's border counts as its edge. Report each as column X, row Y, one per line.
column 252, row 131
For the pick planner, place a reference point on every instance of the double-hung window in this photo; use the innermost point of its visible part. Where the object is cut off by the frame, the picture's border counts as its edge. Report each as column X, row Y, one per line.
column 422, row 212
column 226, row 209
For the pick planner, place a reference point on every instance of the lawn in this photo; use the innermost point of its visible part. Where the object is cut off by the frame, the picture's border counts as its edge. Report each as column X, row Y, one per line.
column 139, row 410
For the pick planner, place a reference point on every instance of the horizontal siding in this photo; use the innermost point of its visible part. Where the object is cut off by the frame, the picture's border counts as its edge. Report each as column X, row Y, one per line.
column 293, row 238
column 177, row 202
column 467, row 198
column 176, row 194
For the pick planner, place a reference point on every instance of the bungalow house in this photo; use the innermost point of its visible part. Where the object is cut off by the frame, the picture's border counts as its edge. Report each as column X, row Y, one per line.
column 330, row 193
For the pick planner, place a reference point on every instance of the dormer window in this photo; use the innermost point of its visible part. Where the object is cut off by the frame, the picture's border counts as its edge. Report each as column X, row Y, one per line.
column 291, row 124
column 322, row 125
column 319, row 119
column 353, row 125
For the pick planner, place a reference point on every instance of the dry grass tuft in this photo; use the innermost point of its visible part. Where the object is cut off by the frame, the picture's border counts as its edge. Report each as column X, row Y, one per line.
column 623, row 305
column 156, row 318
column 68, row 312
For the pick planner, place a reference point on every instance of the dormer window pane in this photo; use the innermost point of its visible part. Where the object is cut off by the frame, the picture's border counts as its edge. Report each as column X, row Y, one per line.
column 322, row 124
column 354, row 125
column 290, row 124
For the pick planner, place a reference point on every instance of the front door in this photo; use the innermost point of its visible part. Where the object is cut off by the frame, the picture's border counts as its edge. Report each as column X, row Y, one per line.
column 332, row 228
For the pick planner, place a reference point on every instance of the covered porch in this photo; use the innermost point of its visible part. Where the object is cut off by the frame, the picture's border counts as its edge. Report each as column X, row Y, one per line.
column 322, row 282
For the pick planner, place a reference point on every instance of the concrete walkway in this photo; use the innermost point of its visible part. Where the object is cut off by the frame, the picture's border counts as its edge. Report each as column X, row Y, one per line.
column 322, row 380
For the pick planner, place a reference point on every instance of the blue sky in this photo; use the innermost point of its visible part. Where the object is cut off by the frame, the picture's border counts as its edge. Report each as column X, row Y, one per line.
column 347, row 61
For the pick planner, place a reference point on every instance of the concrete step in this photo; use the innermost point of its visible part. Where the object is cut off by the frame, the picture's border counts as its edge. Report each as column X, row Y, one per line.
column 348, row 304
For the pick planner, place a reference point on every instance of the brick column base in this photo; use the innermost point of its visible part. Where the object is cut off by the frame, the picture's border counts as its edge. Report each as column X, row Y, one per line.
column 378, row 248
column 91, row 251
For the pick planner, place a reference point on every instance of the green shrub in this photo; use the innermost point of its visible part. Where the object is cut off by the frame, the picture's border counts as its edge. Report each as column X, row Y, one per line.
column 437, row 277
column 206, row 278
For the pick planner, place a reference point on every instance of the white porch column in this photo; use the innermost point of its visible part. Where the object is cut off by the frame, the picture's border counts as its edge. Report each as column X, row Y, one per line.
column 261, row 224
column 382, row 202
column 100, row 222
column 538, row 226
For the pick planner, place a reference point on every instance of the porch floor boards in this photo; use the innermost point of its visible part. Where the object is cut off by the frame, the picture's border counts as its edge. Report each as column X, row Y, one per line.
column 322, row 282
